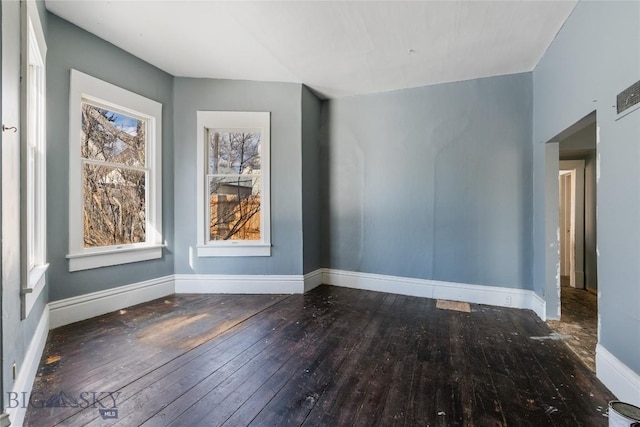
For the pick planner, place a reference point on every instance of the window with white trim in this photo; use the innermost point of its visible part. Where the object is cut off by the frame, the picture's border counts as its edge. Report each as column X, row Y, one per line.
column 115, row 192
column 233, row 183
column 34, row 158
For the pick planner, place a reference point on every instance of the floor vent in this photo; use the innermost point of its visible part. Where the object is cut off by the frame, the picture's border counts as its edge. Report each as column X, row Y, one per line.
column 628, row 97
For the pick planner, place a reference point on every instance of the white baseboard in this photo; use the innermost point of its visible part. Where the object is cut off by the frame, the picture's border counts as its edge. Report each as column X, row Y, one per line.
column 618, row 377
column 239, row 284
column 84, row 307
column 477, row 294
column 313, row 279
column 539, row 306
column 28, row 370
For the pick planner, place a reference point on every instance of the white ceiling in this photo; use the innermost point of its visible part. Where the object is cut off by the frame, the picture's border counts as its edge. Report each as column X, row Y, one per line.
column 337, row 48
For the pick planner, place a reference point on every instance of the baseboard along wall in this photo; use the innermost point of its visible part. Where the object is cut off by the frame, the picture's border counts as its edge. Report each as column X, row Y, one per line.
column 618, row 377
column 75, row 309
column 70, row 310
column 476, row 294
column 17, row 402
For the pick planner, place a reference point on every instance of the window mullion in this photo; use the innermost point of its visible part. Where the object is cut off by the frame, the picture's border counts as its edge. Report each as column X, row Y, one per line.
column 113, row 165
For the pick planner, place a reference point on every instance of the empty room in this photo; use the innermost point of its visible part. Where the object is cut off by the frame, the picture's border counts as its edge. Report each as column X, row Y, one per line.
column 320, row 213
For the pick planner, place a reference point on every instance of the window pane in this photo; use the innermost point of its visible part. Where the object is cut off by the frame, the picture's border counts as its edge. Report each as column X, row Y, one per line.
column 114, row 206
column 31, row 208
column 112, row 137
column 235, row 208
column 234, row 152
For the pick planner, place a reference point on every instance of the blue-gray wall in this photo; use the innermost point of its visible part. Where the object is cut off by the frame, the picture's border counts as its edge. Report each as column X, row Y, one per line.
column 44, row 16
column 311, row 181
column 283, row 100
column 595, row 56
column 433, row 182
column 71, row 47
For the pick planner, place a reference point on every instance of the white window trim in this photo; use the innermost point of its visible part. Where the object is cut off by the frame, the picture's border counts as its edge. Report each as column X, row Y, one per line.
column 87, row 88
column 34, row 199
column 233, row 120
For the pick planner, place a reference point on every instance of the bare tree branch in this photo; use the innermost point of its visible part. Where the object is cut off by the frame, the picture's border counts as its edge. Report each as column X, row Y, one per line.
column 114, row 197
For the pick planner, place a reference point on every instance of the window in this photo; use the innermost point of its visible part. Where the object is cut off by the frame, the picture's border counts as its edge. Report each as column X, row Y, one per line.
column 33, row 158
column 233, row 183
column 114, row 175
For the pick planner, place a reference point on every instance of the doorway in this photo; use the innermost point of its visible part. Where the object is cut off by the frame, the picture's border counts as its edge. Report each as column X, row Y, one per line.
column 571, row 223
column 576, row 282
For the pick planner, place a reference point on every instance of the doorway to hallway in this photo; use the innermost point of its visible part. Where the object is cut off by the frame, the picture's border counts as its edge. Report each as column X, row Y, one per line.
column 571, row 222
column 577, row 282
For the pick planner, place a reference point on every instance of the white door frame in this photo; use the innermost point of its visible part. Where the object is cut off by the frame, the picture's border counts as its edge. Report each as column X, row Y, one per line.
column 552, row 231
column 575, row 169
column 566, row 224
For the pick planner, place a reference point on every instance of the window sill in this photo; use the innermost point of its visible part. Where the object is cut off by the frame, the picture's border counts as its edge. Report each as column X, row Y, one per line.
column 106, row 258
column 35, row 282
column 36, row 279
column 234, row 250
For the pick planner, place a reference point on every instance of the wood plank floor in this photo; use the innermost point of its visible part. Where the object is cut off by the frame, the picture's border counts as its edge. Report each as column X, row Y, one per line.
column 579, row 323
column 331, row 357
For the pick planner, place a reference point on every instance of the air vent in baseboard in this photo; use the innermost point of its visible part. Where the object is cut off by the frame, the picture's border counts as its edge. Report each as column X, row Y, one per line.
column 628, row 97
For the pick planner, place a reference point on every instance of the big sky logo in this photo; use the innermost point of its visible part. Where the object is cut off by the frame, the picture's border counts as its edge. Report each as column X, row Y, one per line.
column 104, row 401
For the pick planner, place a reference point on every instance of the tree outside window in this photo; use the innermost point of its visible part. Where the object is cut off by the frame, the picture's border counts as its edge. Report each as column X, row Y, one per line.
column 233, row 183
column 113, row 177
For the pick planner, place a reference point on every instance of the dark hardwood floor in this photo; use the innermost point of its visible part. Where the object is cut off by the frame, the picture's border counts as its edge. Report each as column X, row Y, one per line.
column 331, row 357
